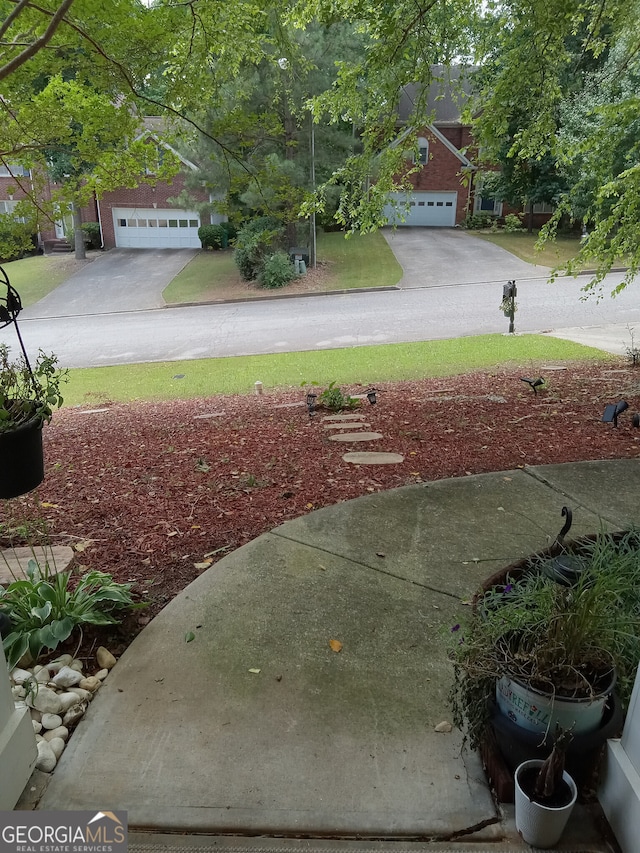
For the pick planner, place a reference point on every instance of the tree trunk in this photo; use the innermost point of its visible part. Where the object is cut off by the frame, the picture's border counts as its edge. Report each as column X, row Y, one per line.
column 78, row 233
column 530, row 218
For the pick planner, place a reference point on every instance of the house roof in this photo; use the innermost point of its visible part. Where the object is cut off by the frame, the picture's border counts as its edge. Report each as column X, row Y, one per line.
column 447, row 94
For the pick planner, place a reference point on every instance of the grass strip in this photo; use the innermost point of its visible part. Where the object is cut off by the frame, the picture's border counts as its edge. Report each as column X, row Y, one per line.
column 366, row 365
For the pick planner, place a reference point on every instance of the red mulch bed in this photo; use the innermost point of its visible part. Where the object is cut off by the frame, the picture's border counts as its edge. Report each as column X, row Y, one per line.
column 154, row 495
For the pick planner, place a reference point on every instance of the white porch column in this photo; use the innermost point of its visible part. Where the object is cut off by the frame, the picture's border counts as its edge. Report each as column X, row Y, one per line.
column 619, row 792
column 17, row 743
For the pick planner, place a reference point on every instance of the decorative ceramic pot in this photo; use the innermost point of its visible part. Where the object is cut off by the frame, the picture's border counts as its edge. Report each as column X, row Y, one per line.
column 542, row 712
column 541, row 825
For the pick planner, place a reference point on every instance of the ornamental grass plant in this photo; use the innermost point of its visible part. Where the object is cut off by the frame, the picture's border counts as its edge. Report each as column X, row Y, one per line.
column 563, row 639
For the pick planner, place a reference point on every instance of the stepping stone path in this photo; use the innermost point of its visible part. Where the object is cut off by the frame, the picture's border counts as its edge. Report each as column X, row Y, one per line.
column 347, row 425
column 14, row 561
column 372, row 458
column 356, row 436
column 351, row 422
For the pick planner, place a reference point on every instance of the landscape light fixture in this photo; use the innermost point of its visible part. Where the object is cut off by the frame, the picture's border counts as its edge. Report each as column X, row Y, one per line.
column 534, row 383
column 636, row 420
column 311, row 403
column 372, row 396
column 613, row 411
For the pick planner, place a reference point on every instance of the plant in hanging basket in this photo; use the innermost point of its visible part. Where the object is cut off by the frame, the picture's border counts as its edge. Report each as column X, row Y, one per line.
column 28, row 394
column 565, row 641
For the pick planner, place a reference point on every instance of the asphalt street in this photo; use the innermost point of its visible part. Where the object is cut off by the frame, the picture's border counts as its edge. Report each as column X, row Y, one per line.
column 323, row 322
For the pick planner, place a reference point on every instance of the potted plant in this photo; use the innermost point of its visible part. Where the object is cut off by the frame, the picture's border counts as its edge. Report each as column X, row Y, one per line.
column 545, row 796
column 566, row 644
column 28, row 396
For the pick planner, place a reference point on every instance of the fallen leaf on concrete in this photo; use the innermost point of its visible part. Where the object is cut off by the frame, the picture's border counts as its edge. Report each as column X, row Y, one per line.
column 254, row 671
column 189, row 637
column 444, row 727
column 335, row 645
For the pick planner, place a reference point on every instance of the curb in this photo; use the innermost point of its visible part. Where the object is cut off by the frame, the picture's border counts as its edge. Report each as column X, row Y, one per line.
column 282, row 296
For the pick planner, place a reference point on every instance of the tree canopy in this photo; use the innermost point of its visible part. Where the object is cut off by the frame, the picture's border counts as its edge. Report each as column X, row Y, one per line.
column 556, row 95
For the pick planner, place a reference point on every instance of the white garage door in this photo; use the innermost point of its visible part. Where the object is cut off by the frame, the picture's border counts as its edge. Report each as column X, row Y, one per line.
column 424, row 208
column 148, row 228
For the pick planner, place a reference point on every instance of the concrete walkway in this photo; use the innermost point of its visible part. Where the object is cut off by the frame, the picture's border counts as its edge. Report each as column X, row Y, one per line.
column 258, row 727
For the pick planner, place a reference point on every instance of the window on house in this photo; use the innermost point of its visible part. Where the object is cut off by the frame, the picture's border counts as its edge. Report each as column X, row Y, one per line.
column 162, row 223
column 193, row 223
column 173, row 223
column 13, row 171
column 423, row 151
column 543, row 207
column 122, row 223
column 488, row 205
column 7, row 206
column 184, row 223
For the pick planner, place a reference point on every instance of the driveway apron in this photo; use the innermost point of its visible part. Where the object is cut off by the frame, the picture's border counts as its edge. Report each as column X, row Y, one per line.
column 435, row 257
column 119, row 280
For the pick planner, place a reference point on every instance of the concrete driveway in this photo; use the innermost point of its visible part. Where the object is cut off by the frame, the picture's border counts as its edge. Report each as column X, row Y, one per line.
column 435, row 257
column 119, row 280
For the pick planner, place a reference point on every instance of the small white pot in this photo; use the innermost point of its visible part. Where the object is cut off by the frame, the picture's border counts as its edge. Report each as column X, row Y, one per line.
column 541, row 826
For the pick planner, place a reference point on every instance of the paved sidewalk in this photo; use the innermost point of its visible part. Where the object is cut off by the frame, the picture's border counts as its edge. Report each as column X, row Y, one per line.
column 258, row 727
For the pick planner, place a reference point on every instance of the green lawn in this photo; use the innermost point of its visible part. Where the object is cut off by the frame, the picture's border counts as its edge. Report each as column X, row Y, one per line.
column 366, row 365
column 360, row 261
column 34, row 277
column 523, row 245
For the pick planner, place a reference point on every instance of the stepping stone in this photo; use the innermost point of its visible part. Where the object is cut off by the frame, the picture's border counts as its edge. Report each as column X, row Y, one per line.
column 14, row 561
column 372, row 458
column 92, row 411
column 342, row 418
column 356, row 436
column 289, row 405
column 347, row 425
column 208, row 415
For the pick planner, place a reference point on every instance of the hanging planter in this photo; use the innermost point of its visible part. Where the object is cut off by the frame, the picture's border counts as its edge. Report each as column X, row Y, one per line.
column 21, row 459
column 28, row 397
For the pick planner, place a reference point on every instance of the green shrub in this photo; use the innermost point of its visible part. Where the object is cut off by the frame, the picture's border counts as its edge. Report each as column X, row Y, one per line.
column 16, row 239
column 213, row 237
column 277, row 271
column 478, row 221
column 512, row 222
column 92, row 235
column 255, row 242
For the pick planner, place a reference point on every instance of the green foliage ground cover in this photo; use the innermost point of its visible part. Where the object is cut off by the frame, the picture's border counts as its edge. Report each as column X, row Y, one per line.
column 386, row 363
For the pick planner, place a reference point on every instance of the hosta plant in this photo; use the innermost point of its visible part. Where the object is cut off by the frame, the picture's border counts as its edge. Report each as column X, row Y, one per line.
column 44, row 610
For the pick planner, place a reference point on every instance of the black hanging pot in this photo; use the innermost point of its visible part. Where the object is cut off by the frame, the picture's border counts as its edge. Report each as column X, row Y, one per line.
column 21, row 459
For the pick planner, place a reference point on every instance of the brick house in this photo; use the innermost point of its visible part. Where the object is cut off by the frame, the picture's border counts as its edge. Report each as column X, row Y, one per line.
column 140, row 217
column 447, row 187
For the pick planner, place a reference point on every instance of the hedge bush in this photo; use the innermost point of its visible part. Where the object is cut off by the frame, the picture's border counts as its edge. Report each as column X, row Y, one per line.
column 277, row 271
column 255, row 242
column 213, row 236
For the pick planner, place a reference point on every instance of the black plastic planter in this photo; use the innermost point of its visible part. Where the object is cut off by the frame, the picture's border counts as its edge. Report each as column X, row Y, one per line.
column 21, row 460
column 518, row 745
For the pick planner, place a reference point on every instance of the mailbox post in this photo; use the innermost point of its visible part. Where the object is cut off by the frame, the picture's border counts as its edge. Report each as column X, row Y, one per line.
column 509, row 293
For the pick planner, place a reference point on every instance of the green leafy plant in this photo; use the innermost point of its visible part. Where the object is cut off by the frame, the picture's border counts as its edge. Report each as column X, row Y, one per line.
column 512, row 223
column 213, row 236
column 92, row 234
column 255, row 242
column 561, row 639
column 44, row 610
column 27, row 395
column 334, row 399
column 277, row 271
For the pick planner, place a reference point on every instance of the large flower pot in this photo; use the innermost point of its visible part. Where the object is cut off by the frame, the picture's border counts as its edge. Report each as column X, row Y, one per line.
column 541, row 825
column 517, row 745
column 542, row 712
column 21, row 459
